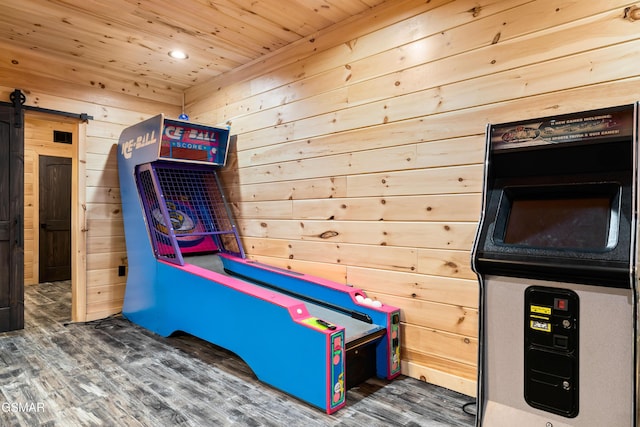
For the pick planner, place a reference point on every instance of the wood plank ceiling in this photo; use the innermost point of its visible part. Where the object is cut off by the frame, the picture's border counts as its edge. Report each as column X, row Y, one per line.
column 133, row 37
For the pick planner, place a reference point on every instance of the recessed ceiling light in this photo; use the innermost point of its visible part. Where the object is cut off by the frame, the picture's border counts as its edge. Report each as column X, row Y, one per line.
column 178, row 54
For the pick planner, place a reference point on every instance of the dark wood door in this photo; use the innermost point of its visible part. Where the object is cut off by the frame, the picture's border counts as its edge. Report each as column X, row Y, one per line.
column 55, row 219
column 11, row 221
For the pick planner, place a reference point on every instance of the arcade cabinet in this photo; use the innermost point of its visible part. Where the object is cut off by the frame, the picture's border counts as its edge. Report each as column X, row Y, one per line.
column 555, row 254
column 310, row 337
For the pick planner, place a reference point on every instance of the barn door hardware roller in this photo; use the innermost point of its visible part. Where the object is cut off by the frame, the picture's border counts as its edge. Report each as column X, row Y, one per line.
column 18, row 99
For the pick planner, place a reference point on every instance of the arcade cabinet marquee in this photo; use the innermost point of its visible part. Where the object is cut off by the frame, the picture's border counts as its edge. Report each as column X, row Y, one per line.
column 188, row 272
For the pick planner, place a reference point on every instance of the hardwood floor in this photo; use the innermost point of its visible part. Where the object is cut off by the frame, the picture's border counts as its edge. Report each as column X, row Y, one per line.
column 114, row 373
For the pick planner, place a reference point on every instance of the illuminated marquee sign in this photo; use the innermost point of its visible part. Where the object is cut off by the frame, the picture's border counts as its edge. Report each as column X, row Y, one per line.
column 578, row 127
column 188, row 142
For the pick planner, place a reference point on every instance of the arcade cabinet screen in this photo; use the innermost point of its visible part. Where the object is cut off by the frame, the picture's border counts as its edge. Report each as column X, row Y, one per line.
column 581, row 223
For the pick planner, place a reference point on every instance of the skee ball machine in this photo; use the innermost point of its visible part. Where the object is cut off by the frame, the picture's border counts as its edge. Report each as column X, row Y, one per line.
column 309, row 337
column 556, row 258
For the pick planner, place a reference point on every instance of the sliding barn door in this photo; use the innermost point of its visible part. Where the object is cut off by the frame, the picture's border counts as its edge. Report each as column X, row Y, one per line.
column 11, row 221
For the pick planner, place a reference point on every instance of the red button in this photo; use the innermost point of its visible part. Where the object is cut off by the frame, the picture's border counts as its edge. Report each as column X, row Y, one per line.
column 561, row 304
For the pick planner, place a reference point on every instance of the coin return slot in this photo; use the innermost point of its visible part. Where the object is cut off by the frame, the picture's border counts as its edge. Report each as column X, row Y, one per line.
column 560, row 341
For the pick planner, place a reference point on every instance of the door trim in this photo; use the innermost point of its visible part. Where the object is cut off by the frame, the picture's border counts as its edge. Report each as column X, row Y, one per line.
column 79, row 227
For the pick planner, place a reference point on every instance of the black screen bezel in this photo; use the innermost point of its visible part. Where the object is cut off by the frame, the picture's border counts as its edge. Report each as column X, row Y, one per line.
column 609, row 268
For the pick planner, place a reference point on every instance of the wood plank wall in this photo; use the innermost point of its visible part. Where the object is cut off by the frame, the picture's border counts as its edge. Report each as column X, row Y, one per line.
column 358, row 153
